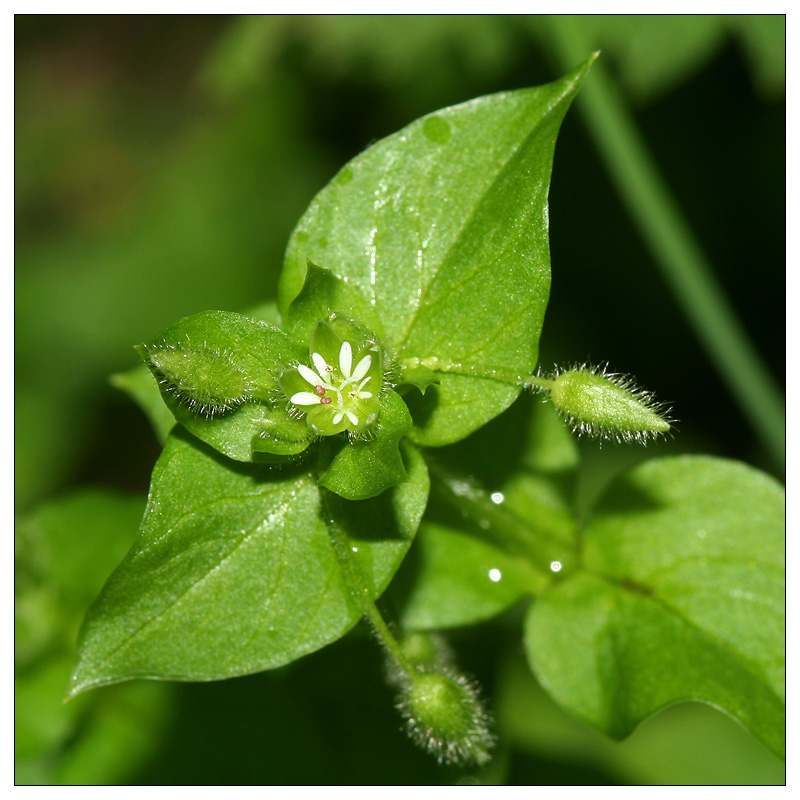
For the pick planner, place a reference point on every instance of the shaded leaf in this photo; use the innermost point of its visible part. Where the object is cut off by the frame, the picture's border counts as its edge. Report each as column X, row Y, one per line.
column 493, row 547
column 682, row 599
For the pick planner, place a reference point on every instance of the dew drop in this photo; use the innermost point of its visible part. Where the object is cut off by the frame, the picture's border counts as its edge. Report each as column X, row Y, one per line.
column 498, row 497
column 355, row 549
column 437, row 130
column 495, row 575
column 555, row 566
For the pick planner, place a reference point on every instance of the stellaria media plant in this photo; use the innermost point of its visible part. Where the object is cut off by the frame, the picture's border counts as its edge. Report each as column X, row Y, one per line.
column 309, row 444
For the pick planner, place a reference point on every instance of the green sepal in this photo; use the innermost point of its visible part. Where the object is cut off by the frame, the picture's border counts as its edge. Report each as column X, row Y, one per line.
column 324, row 294
column 364, row 469
column 281, row 436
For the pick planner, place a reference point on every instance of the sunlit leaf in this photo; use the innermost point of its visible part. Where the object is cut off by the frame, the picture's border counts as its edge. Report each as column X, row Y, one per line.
column 442, row 229
column 234, row 572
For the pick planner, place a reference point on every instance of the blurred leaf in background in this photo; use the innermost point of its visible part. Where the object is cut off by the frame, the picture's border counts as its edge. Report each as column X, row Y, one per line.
column 161, row 164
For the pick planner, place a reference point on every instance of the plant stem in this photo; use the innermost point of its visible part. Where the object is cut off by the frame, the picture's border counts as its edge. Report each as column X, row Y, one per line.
column 671, row 242
column 436, row 364
column 359, row 592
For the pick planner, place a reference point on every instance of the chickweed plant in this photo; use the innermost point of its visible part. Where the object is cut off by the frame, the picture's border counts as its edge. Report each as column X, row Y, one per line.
column 310, row 444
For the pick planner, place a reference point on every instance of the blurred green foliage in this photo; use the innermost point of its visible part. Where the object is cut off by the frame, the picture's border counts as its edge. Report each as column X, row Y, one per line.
column 161, row 163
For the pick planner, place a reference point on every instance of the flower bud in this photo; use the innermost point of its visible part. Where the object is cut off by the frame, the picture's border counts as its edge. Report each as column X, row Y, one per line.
column 207, row 380
column 444, row 715
column 422, row 649
column 607, row 406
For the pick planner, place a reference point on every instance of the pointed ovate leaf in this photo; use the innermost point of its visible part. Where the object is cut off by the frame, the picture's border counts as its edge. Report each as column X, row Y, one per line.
column 217, row 372
column 442, row 228
column 234, row 572
column 363, row 469
column 682, row 599
column 325, row 293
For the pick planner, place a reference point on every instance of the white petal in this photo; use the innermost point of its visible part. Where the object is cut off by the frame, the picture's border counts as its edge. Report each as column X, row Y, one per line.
column 320, row 363
column 364, row 395
column 305, row 399
column 364, row 382
column 352, row 417
column 346, row 359
column 309, row 376
column 338, row 418
column 361, row 368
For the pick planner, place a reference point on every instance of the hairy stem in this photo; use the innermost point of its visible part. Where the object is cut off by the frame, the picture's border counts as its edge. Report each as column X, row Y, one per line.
column 359, row 591
column 436, row 364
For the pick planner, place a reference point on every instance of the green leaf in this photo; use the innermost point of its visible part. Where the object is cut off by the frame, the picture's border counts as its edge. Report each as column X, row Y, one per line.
column 656, row 52
column 365, row 469
column 492, row 548
column 217, row 373
column 234, row 572
column 460, row 579
column 442, row 229
column 63, row 551
column 682, row 599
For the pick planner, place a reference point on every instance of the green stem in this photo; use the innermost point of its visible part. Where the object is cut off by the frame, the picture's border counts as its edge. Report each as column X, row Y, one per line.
column 359, row 591
column 436, row 364
column 671, row 242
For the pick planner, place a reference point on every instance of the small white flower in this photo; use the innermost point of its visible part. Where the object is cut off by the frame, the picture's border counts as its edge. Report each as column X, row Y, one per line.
column 345, row 392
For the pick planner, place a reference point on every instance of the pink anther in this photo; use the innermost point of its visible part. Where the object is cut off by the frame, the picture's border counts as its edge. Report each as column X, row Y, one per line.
column 320, row 391
column 325, row 400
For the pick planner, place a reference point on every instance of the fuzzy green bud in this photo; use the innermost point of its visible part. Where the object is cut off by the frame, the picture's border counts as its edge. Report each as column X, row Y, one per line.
column 207, row 380
column 606, row 405
column 444, row 715
column 422, row 649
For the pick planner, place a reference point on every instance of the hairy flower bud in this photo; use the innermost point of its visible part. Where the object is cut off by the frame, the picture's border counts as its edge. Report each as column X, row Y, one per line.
column 444, row 715
column 606, row 406
column 207, row 380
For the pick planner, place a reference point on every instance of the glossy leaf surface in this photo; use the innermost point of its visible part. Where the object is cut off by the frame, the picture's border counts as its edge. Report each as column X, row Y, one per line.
column 234, row 572
column 442, row 228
